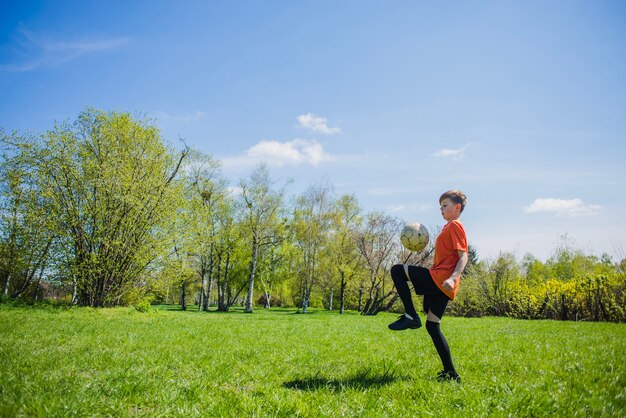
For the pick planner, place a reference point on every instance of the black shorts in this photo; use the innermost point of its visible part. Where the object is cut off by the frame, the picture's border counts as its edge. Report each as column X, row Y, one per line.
column 434, row 299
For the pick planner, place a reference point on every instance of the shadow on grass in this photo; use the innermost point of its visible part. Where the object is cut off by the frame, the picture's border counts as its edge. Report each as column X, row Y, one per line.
column 194, row 309
column 231, row 310
column 362, row 380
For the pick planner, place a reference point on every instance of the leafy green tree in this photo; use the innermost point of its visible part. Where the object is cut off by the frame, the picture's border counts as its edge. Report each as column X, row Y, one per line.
column 231, row 253
column 534, row 270
column 262, row 206
column 379, row 247
column 312, row 223
column 495, row 286
column 472, row 256
column 114, row 189
column 561, row 263
column 205, row 192
column 171, row 278
column 26, row 232
column 346, row 260
column 274, row 269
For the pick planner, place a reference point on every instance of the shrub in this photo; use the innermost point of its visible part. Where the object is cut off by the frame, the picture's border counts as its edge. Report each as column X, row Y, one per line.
column 143, row 306
column 274, row 300
column 589, row 297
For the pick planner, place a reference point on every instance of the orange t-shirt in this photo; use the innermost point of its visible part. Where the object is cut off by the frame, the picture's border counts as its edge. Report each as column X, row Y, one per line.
column 451, row 239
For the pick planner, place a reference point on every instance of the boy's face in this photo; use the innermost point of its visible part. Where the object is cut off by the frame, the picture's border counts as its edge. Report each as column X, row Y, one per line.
column 449, row 210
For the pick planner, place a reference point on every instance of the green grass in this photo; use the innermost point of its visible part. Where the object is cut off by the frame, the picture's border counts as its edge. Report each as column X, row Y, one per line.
column 119, row 362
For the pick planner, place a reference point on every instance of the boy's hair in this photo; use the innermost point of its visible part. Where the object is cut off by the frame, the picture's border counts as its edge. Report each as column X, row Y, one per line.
column 456, row 196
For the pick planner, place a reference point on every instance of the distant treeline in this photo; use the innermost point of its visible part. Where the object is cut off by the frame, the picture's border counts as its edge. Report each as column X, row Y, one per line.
column 101, row 211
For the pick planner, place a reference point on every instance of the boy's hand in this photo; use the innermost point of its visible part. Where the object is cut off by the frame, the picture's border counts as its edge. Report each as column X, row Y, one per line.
column 456, row 274
column 449, row 284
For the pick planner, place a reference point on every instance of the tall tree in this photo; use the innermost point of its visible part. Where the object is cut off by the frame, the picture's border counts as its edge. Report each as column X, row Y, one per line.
column 496, row 284
column 312, row 224
column 379, row 246
column 272, row 268
column 205, row 191
column 115, row 190
column 231, row 251
column 345, row 257
column 26, row 232
column 262, row 209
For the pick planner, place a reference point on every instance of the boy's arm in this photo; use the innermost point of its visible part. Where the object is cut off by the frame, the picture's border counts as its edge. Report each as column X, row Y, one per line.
column 460, row 265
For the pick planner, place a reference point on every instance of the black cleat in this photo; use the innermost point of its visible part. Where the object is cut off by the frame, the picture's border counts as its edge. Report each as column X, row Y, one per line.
column 405, row 323
column 448, row 376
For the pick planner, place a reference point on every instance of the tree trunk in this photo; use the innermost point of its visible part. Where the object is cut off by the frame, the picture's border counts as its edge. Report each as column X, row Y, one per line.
column 183, row 302
column 305, row 302
column 267, row 291
column 222, row 286
column 207, row 299
column 202, row 293
column 268, row 298
column 209, row 278
column 360, row 309
column 306, row 297
column 7, row 284
column 342, row 293
column 36, row 291
column 255, row 250
column 74, row 293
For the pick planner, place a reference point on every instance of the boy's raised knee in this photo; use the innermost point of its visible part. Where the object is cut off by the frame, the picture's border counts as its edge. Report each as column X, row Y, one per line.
column 397, row 270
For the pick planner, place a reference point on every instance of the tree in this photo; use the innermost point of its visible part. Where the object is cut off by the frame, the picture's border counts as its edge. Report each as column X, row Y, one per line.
column 502, row 272
column 273, row 268
column 534, row 270
column 344, row 250
column 205, row 191
column 312, row 223
column 379, row 246
column 472, row 256
column 114, row 189
column 231, row 252
column 26, row 232
column 262, row 208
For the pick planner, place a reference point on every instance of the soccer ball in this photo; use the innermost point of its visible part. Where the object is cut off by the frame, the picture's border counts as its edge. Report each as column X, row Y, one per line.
column 414, row 237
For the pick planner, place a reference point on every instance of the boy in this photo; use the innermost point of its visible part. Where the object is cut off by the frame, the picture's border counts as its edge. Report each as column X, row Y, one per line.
column 438, row 284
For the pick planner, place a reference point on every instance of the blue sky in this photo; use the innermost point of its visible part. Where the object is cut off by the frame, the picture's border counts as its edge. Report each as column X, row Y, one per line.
column 520, row 104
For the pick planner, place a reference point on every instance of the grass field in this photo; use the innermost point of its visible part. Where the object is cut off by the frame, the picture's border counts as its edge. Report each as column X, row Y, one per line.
column 120, row 362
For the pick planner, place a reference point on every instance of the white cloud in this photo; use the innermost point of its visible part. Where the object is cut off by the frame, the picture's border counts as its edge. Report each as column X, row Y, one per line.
column 455, row 154
column 572, row 207
column 316, row 124
column 276, row 153
column 234, row 190
column 46, row 52
column 184, row 118
column 410, row 209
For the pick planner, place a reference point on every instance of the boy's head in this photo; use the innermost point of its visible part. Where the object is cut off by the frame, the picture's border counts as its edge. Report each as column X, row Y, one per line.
column 455, row 196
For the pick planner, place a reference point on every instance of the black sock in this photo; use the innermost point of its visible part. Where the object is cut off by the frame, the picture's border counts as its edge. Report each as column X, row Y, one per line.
column 402, row 286
column 434, row 329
